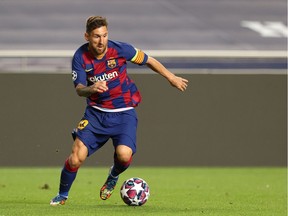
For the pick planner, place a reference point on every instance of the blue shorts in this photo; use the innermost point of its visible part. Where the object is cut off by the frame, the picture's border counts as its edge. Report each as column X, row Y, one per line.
column 96, row 127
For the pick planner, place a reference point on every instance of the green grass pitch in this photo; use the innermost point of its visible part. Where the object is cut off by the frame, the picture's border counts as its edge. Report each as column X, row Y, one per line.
column 174, row 191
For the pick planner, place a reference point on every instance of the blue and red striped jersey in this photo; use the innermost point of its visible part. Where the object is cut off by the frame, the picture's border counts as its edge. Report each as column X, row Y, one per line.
column 122, row 93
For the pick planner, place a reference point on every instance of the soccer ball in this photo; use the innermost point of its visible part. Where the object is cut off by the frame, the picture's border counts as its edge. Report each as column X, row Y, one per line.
column 135, row 192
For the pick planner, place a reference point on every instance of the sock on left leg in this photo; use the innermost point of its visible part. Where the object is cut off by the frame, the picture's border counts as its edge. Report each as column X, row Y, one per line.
column 68, row 176
column 119, row 167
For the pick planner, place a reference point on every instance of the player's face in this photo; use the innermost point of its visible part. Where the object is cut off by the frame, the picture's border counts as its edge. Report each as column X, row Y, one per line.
column 98, row 40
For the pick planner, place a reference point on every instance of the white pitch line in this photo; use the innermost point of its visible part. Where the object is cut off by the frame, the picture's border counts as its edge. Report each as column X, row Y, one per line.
column 155, row 53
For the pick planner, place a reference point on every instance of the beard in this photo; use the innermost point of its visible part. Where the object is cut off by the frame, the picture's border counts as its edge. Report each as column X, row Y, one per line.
column 99, row 50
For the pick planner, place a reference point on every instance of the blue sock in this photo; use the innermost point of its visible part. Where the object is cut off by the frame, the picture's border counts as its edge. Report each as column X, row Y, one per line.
column 68, row 176
column 119, row 167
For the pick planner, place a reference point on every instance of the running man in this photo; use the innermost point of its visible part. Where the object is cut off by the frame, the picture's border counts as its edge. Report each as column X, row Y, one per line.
column 99, row 73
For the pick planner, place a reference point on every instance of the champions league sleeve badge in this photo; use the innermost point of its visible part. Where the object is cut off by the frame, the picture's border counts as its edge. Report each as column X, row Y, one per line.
column 74, row 75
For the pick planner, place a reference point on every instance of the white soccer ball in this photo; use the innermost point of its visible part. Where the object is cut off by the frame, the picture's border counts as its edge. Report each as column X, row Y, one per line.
column 135, row 192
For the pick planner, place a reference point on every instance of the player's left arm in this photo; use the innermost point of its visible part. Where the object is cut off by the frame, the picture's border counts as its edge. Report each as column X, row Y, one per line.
column 137, row 56
column 176, row 81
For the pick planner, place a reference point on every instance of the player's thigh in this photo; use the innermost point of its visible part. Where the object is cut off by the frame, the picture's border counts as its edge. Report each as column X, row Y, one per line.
column 124, row 139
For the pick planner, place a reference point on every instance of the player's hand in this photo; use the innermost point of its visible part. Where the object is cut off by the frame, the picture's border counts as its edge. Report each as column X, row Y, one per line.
column 99, row 87
column 179, row 83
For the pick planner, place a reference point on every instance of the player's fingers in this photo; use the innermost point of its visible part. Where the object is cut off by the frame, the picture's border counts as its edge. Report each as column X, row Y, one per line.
column 183, row 87
column 102, row 83
column 184, row 80
column 102, row 88
column 184, row 84
column 180, row 88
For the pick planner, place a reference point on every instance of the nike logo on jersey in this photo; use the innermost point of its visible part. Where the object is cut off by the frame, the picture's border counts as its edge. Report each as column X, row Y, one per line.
column 88, row 70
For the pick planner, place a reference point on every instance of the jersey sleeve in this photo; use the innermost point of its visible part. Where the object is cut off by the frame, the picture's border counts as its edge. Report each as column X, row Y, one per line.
column 78, row 72
column 139, row 58
column 133, row 54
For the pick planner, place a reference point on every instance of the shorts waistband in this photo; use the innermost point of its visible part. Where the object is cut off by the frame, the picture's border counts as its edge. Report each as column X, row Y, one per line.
column 113, row 110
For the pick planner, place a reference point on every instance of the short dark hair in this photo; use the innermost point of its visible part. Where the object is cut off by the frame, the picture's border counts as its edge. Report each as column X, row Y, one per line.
column 94, row 22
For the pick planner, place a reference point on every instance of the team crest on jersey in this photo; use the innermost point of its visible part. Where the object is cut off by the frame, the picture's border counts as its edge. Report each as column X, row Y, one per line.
column 82, row 124
column 111, row 63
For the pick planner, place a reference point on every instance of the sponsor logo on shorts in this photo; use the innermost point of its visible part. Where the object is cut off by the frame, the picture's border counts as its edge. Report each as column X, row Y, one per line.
column 82, row 124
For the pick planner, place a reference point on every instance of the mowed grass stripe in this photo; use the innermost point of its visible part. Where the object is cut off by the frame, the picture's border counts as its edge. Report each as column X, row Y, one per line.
column 174, row 191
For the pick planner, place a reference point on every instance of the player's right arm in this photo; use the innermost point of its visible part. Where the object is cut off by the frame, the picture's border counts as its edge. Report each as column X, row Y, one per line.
column 80, row 78
column 87, row 91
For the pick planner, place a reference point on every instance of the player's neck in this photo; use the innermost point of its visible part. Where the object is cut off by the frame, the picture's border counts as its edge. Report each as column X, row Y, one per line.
column 99, row 57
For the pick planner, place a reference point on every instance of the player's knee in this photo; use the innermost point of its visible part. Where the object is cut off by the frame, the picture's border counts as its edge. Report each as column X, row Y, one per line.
column 123, row 153
column 124, row 158
column 75, row 161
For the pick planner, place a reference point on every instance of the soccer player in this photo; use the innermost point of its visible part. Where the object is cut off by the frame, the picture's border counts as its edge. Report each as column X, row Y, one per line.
column 99, row 73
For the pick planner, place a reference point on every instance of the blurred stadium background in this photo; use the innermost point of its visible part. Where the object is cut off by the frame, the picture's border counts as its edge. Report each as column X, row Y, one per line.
column 234, row 54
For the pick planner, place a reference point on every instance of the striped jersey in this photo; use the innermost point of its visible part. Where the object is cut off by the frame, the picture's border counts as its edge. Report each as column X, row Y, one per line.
column 122, row 91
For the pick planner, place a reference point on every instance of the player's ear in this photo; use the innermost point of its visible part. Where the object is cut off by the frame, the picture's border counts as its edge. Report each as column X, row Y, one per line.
column 86, row 36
